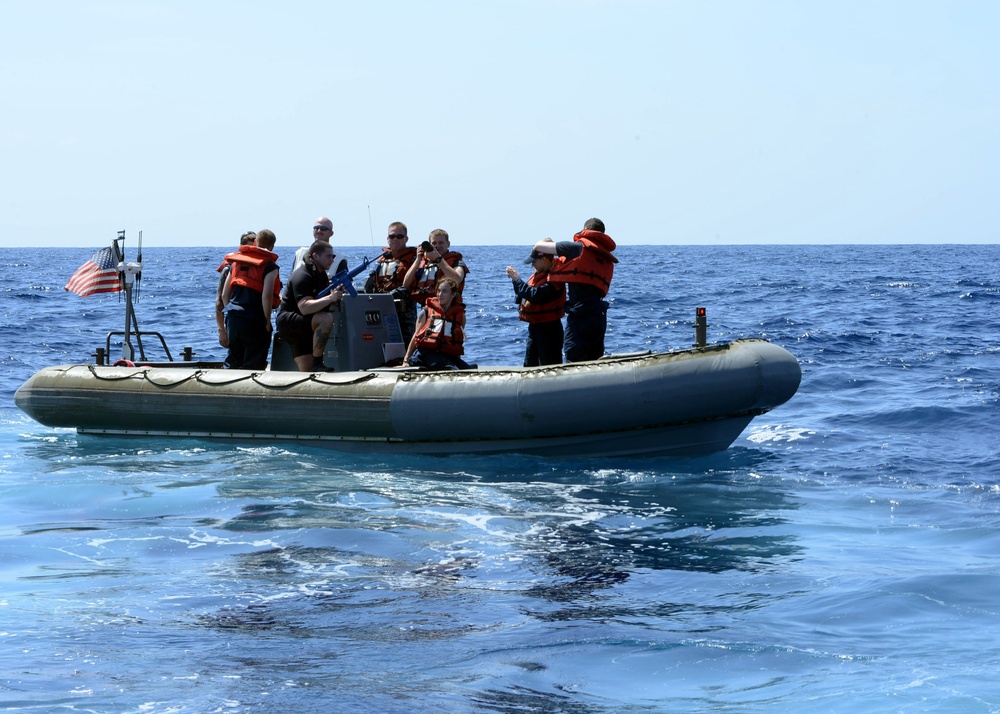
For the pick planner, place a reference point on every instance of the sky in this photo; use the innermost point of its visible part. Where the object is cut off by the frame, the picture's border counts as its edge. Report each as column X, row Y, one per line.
column 502, row 121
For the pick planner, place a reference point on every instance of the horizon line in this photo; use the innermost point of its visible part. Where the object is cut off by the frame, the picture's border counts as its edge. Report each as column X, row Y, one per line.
column 527, row 243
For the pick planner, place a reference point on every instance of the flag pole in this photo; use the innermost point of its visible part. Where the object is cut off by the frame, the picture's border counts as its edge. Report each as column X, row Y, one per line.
column 137, row 269
column 125, row 281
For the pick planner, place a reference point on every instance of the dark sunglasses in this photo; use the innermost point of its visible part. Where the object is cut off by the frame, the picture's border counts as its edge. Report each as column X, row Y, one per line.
column 397, row 236
column 322, row 228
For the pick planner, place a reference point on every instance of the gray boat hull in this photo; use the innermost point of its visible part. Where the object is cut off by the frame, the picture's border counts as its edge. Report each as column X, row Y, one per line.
column 688, row 402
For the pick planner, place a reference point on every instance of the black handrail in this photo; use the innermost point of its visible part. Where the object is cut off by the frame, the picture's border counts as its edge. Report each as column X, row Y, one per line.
column 138, row 340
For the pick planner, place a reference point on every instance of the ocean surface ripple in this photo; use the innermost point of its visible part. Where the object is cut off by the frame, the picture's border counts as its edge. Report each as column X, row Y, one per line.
column 842, row 556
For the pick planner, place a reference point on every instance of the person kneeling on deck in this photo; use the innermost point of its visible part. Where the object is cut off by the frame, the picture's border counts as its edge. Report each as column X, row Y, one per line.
column 304, row 321
column 540, row 304
column 437, row 343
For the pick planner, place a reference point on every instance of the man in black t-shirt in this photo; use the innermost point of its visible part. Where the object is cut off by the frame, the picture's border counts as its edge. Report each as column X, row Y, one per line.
column 304, row 321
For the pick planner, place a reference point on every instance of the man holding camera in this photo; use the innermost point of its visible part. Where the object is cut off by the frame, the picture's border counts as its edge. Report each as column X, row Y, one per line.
column 435, row 260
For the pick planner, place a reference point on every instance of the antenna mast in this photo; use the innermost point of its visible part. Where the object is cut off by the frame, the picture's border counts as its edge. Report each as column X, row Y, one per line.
column 371, row 230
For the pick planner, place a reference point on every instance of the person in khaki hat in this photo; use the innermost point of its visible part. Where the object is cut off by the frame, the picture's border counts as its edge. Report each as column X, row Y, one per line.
column 540, row 304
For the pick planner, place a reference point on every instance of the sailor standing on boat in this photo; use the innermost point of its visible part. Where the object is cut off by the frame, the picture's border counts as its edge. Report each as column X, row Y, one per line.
column 540, row 304
column 252, row 292
column 435, row 260
column 220, row 316
column 387, row 277
column 304, row 321
column 586, row 265
column 322, row 230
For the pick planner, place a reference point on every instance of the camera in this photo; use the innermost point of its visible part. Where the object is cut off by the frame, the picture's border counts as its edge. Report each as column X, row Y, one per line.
column 426, row 246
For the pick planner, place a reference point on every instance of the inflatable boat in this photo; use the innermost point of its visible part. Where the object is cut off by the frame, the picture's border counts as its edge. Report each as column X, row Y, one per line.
column 686, row 402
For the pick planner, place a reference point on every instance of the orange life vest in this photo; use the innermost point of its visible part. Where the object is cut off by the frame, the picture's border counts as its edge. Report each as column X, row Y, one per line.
column 542, row 312
column 389, row 272
column 247, row 270
column 595, row 266
column 426, row 286
column 442, row 330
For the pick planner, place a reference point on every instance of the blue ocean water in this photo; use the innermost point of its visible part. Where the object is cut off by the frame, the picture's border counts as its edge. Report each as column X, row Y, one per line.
column 842, row 556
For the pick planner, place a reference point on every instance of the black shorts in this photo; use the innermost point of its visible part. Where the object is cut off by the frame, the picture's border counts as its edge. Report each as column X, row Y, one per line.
column 296, row 330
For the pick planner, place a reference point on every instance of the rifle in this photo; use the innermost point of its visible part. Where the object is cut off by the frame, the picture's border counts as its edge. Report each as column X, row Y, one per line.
column 344, row 277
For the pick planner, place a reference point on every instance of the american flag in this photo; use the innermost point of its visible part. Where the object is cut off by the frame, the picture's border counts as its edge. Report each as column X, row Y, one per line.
column 97, row 275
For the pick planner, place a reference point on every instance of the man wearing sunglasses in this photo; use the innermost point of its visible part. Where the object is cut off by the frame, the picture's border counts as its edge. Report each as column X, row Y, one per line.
column 387, row 277
column 322, row 230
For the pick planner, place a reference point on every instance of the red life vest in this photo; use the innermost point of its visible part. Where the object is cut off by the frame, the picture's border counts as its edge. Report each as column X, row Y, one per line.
column 426, row 286
column 389, row 273
column 595, row 266
column 546, row 311
column 247, row 270
column 442, row 330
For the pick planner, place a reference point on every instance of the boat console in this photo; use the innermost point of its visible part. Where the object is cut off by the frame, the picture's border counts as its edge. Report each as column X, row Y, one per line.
column 366, row 334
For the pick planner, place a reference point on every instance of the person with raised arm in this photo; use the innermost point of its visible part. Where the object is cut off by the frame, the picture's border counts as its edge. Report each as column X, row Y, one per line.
column 540, row 304
column 434, row 260
column 586, row 264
